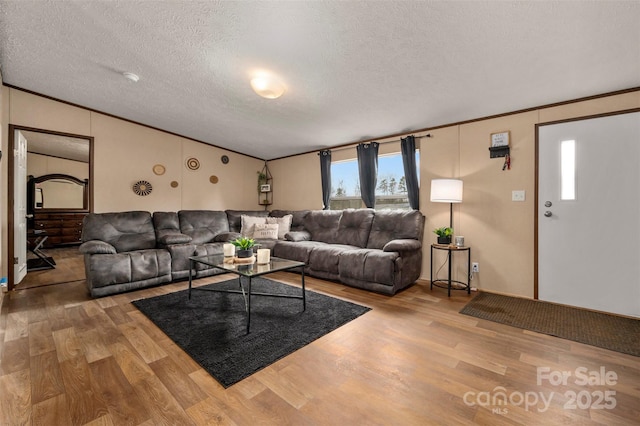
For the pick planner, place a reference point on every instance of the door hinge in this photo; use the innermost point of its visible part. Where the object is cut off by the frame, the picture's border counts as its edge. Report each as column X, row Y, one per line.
column 15, row 260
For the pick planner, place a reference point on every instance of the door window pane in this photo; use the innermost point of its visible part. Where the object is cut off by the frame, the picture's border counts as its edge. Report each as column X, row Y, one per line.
column 568, row 170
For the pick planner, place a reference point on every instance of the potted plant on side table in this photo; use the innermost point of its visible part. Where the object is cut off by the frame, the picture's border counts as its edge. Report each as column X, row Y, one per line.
column 244, row 246
column 444, row 234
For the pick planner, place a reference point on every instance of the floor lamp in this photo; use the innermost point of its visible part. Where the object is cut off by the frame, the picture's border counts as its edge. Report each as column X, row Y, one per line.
column 447, row 191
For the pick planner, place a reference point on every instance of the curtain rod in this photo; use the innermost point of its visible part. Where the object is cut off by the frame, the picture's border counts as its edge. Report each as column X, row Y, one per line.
column 352, row 145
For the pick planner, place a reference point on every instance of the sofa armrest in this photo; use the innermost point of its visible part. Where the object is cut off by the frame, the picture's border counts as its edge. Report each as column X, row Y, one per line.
column 97, row 247
column 171, row 238
column 402, row 245
column 225, row 237
column 297, row 236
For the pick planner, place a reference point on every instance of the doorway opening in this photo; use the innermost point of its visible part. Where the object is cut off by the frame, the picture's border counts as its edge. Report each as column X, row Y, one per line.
column 54, row 187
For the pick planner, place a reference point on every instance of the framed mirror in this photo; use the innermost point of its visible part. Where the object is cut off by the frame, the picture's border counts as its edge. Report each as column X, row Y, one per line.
column 59, row 168
column 57, row 192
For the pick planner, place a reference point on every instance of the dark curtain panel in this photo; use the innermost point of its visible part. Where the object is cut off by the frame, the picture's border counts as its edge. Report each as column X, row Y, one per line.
column 408, row 146
column 325, row 177
column 368, row 170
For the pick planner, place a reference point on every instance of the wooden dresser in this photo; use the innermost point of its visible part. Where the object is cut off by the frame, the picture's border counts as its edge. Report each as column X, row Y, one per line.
column 62, row 228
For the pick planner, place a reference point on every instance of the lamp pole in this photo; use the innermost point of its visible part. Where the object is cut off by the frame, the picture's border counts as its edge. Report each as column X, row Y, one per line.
column 451, row 215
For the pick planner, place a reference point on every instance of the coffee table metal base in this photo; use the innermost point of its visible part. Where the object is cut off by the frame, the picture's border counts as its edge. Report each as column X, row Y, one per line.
column 247, row 295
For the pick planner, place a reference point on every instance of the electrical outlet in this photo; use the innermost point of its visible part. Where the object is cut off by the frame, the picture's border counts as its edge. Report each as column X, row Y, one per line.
column 517, row 195
column 475, row 267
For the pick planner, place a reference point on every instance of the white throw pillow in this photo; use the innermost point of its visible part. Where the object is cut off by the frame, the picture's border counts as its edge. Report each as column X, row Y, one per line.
column 265, row 231
column 284, row 224
column 248, row 224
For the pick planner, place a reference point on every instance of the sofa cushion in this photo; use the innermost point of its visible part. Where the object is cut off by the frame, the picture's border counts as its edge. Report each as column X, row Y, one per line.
column 297, row 217
column 126, row 231
column 323, row 225
column 234, row 217
column 326, row 257
column 173, row 238
column 202, row 225
column 393, row 225
column 297, row 236
column 355, row 226
column 166, row 221
column 284, row 224
column 180, row 262
column 109, row 269
column 369, row 265
column 298, row 251
column 208, row 250
column 248, row 224
column 402, row 245
column 97, row 247
column 225, row 237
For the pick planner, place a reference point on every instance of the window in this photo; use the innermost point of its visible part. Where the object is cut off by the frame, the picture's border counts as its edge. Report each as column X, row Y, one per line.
column 568, row 170
column 391, row 192
column 345, row 185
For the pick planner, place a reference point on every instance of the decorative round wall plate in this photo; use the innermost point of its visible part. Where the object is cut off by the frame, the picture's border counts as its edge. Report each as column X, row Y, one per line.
column 213, row 179
column 174, row 184
column 193, row 163
column 142, row 188
column 224, row 159
column 159, row 169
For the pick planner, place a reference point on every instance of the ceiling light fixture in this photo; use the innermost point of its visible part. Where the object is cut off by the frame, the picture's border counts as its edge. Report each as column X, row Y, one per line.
column 267, row 86
column 131, row 76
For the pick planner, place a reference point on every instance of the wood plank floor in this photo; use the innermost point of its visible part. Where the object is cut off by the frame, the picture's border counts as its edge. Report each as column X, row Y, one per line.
column 69, row 267
column 67, row 359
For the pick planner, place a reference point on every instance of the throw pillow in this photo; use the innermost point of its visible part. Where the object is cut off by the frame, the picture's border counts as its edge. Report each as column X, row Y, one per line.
column 284, row 224
column 265, row 231
column 248, row 223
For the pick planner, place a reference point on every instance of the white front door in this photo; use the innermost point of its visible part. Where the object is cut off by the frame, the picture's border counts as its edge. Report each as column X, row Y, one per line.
column 20, row 207
column 589, row 215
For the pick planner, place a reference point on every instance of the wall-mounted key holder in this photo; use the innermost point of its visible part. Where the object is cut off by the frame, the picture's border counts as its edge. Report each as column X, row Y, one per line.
column 500, row 148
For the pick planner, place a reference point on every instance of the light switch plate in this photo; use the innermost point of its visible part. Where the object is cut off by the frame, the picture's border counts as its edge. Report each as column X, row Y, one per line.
column 517, row 195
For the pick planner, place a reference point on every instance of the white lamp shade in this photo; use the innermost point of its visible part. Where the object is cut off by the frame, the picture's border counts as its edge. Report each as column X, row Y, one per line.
column 446, row 191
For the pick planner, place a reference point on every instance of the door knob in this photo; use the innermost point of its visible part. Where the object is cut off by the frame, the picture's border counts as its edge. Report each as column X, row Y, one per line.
column 547, row 204
column 548, row 213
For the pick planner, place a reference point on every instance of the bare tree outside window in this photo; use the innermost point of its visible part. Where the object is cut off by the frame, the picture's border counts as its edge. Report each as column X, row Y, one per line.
column 391, row 191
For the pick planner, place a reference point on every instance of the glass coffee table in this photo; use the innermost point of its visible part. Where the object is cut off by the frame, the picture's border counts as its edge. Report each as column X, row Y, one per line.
column 247, row 271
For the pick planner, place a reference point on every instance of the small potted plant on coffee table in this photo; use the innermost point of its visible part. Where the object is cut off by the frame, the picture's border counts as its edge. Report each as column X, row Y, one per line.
column 444, row 234
column 244, row 246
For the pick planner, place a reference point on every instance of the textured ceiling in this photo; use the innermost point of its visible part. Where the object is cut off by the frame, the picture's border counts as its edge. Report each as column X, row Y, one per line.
column 75, row 149
column 353, row 70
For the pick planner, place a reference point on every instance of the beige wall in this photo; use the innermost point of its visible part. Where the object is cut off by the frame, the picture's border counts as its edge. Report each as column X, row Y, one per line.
column 500, row 231
column 296, row 182
column 125, row 153
column 39, row 165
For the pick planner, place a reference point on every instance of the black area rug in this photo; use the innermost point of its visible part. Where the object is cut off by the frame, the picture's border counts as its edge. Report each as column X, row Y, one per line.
column 605, row 331
column 211, row 327
column 39, row 264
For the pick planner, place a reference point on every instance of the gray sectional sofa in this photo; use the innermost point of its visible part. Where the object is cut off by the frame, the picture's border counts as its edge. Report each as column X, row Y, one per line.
column 379, row 251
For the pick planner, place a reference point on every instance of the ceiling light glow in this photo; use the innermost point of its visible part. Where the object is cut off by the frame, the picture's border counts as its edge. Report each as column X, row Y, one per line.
column 267, row 86
column 131, row 76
